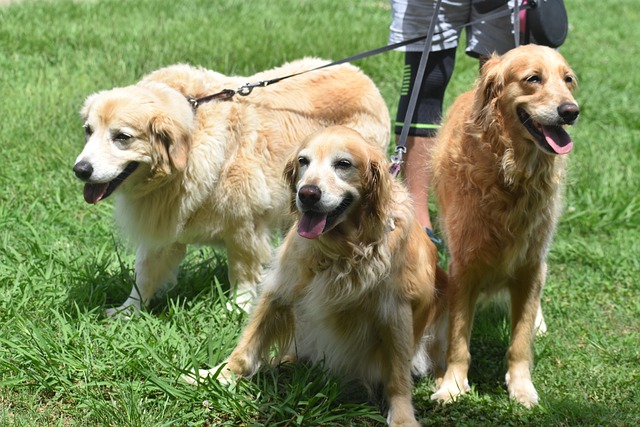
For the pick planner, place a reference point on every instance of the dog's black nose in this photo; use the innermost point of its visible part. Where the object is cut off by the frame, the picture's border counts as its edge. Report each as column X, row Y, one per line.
column 569, row 112
column 83, row 170
column 309, row 194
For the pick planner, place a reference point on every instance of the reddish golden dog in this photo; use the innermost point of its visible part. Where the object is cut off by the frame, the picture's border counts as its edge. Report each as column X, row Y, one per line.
column 354, row 282
column 498, row 171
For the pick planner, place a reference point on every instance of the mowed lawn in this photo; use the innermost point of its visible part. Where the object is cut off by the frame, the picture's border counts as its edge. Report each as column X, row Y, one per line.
column 62, row 261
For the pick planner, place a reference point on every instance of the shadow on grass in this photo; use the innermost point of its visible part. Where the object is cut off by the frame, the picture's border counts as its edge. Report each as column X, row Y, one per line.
column 301, row 393
column 107, row 281
column 489, row 344
column 483, row 410
column 489, row 404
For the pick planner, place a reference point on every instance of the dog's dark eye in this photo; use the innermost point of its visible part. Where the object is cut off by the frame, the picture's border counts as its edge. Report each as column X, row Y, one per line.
column 568, row 80
column 303, row 161
column 533, row 79
column 343, row 164
column 122, row 137
column 88, row 130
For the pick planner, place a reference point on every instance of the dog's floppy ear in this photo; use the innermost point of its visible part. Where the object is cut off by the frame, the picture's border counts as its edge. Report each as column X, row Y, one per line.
column 290, row 175
column 376, row 185
column 489, row 87
column 171, row 126
column 171, row 140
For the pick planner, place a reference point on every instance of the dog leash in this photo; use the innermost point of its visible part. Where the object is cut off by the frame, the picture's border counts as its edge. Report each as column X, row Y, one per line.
column 247, row 88
column 401, row 148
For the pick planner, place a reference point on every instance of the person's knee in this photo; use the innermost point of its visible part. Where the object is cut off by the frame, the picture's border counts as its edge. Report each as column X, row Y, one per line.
column 428, row 111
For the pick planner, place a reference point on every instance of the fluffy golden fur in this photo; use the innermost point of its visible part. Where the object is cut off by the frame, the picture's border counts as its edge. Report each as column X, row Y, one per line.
column 354, row 282
column 498, row 171
column 212, row 175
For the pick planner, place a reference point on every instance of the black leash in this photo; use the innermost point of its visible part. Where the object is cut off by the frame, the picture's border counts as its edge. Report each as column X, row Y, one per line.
column 401, row 147
column 248, row 87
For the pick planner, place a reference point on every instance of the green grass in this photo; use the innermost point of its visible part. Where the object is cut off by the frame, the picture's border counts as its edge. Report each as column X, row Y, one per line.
column 61, row 262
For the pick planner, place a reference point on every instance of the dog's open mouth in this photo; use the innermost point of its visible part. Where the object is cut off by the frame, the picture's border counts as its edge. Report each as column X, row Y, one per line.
column 312, row 224
column 552, row 139
column 93, row 193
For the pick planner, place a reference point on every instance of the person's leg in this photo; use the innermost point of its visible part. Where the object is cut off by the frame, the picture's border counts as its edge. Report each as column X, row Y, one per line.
column 424, row 124
column 417, row 175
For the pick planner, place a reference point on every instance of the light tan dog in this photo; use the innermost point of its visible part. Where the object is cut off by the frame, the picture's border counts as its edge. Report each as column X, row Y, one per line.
column 353, row 283
column 498, row 171
column 212, row 175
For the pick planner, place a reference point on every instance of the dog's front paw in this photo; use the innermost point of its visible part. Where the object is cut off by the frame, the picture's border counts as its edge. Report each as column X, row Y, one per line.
column 196, row 377
column 224, row 374
column 402, row 415
column 403, row 422
column 122, row 312
column 221, row 372
column 450, row 390
column 521, row 389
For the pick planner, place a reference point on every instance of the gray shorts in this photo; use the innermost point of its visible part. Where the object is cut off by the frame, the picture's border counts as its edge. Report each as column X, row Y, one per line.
column 411, row 18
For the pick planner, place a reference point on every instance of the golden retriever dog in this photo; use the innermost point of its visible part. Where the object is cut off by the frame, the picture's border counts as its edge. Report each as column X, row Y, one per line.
column 498, row 171
column 212, row 174
column 354, row 282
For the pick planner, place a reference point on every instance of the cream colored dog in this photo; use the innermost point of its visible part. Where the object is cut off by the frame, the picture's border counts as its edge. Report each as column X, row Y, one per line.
column 498, row 172
column 354, row 282
column 213, row 174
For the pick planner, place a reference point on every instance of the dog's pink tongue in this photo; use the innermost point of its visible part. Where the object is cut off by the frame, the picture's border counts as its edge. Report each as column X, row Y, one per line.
column 558, row 139
column 94, row 192
column 312, row 224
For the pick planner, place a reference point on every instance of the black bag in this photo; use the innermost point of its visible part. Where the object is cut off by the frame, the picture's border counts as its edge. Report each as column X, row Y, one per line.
column 546, row 23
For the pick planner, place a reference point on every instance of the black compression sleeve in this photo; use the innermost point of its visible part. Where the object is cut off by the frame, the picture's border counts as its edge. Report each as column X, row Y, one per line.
column 428, row 112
